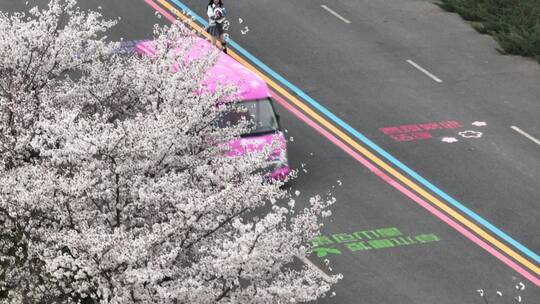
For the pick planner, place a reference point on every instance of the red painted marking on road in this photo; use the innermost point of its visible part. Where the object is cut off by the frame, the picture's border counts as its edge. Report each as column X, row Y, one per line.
column 411, row 136
column 412, row 132
column 430, row 126
column 450, row 124
column 402, row 137
column 409, row 128
column 408, row 193
column 421, row 135
column 390, row 130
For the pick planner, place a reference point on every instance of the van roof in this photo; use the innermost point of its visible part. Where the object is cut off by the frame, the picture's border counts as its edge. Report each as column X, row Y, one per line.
column 226, row 71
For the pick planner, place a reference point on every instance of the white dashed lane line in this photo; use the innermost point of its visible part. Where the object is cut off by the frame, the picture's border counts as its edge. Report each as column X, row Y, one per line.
column 414, row 64
column 525, row 134
column 314, row 267
column 335, row 14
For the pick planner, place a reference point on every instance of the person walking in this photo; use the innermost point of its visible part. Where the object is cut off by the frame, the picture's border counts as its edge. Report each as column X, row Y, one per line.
column 216, row 17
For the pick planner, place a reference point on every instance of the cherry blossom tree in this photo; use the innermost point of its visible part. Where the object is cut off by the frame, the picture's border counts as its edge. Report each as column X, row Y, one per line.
column 114, row 187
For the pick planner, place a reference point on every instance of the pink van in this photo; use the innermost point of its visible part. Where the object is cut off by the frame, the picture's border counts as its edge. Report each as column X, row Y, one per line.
column 254, row 96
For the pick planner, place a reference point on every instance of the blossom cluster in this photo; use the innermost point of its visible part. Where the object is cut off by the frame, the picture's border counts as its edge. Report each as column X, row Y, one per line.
column 113, row 187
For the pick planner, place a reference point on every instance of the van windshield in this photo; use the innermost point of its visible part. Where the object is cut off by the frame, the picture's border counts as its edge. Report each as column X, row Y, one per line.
column 260, row 113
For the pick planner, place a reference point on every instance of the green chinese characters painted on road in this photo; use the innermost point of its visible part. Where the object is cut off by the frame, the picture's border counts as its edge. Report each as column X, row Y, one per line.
column 382, row 238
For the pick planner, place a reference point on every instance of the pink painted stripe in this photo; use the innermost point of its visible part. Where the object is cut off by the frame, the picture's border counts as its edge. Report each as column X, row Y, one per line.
column 408, row 193
column 160, row 10
column 142, row 48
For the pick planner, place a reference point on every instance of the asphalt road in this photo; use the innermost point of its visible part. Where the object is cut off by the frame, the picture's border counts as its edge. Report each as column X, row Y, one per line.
column 356, row 67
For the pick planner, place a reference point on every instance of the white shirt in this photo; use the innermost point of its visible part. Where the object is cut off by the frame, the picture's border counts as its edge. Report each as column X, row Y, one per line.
column 211, row 14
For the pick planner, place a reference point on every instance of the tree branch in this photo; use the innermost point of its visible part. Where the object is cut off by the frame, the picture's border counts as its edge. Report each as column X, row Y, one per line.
column 217, row 228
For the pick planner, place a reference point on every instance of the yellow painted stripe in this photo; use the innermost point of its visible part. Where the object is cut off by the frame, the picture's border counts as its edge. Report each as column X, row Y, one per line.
column 364, row 151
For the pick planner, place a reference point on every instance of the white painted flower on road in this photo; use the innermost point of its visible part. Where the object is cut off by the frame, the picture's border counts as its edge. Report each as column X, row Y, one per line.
column 479, row 123
column 449, row 139
column 470, row 134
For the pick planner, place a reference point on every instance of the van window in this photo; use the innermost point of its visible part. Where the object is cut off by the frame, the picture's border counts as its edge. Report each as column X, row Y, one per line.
column 260, row 113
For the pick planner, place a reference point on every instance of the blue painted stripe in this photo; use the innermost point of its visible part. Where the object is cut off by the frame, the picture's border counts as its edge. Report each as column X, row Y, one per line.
column 368, row 142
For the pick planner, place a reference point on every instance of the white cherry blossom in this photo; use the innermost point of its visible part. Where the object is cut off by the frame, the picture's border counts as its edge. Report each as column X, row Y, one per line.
column 113, row 185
